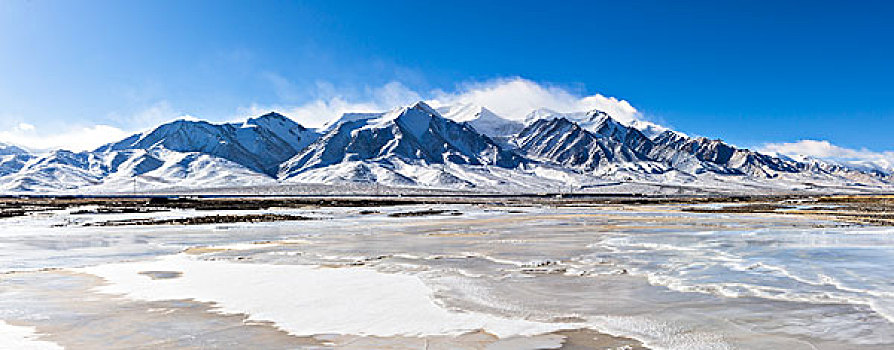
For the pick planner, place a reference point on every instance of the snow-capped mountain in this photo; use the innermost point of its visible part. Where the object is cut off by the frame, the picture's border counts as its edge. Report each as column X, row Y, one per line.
column 594, row 142
column 879, row 167
column 179, row 153
column 112, row 170
column 594, row 118
column 12, row 159
column 717, row 156
column 565, row 143
column 586, row 141
column 411, row 135
column 610, row 141
column 11, row 150
column 260, row 144
column 482, row 119
column 462, row 146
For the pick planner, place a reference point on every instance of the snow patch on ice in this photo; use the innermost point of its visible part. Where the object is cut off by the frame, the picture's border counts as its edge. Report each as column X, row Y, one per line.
column 309, row 300
column 23, row 338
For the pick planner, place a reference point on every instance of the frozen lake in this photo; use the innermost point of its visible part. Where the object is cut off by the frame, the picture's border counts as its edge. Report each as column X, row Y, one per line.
column 460, row 276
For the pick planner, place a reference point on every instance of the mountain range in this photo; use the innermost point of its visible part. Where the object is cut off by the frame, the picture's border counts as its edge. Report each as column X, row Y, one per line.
column 461, row 147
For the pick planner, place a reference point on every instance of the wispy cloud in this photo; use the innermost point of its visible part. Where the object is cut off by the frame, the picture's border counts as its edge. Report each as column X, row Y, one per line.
column 158, row 112
column 823, row 149
column 23, row 127
column 333, row 102
column 512, row 98
column 516, row 97
column 81, row 137
column 77, row 138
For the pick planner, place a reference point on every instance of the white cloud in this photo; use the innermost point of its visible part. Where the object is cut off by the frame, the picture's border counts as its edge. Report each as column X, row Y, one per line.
column 23, row 127
column 333, row 103
column 315, row 113
column 820, row 149
column 284, row 88
column 516, row 97
column 80, row 137
column 151, row 116
column 823, row 149
column 75, row 138
column 512, row 98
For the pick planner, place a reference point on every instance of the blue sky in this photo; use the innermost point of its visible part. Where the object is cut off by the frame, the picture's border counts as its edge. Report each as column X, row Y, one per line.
column 749, row 72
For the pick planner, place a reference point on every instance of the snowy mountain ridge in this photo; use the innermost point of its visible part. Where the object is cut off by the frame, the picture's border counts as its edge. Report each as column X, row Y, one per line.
column 482, row 119
column 260, row 144
column 408, row 136
column 453, row 147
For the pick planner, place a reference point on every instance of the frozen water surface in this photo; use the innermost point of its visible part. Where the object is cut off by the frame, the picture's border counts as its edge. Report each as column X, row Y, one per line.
column 492, row 276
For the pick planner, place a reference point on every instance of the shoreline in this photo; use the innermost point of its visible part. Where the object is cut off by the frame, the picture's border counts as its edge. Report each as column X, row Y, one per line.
column 870, row 210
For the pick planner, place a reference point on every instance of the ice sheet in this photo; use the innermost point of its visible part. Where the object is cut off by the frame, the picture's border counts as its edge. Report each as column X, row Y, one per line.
column 23, row 338
column 308, row 300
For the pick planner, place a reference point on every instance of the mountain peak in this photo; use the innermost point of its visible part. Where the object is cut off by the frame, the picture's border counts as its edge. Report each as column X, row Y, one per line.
column 273, row 121
column 651, row 130
column 462, row 112
column 270, row 115
column 421, row 105
column 670, row 136
column 482, row 119
column 415, row 119
column 484, row 113
column 597, row 118
column 540, row 113
column 9, row 150
column 597, row 114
